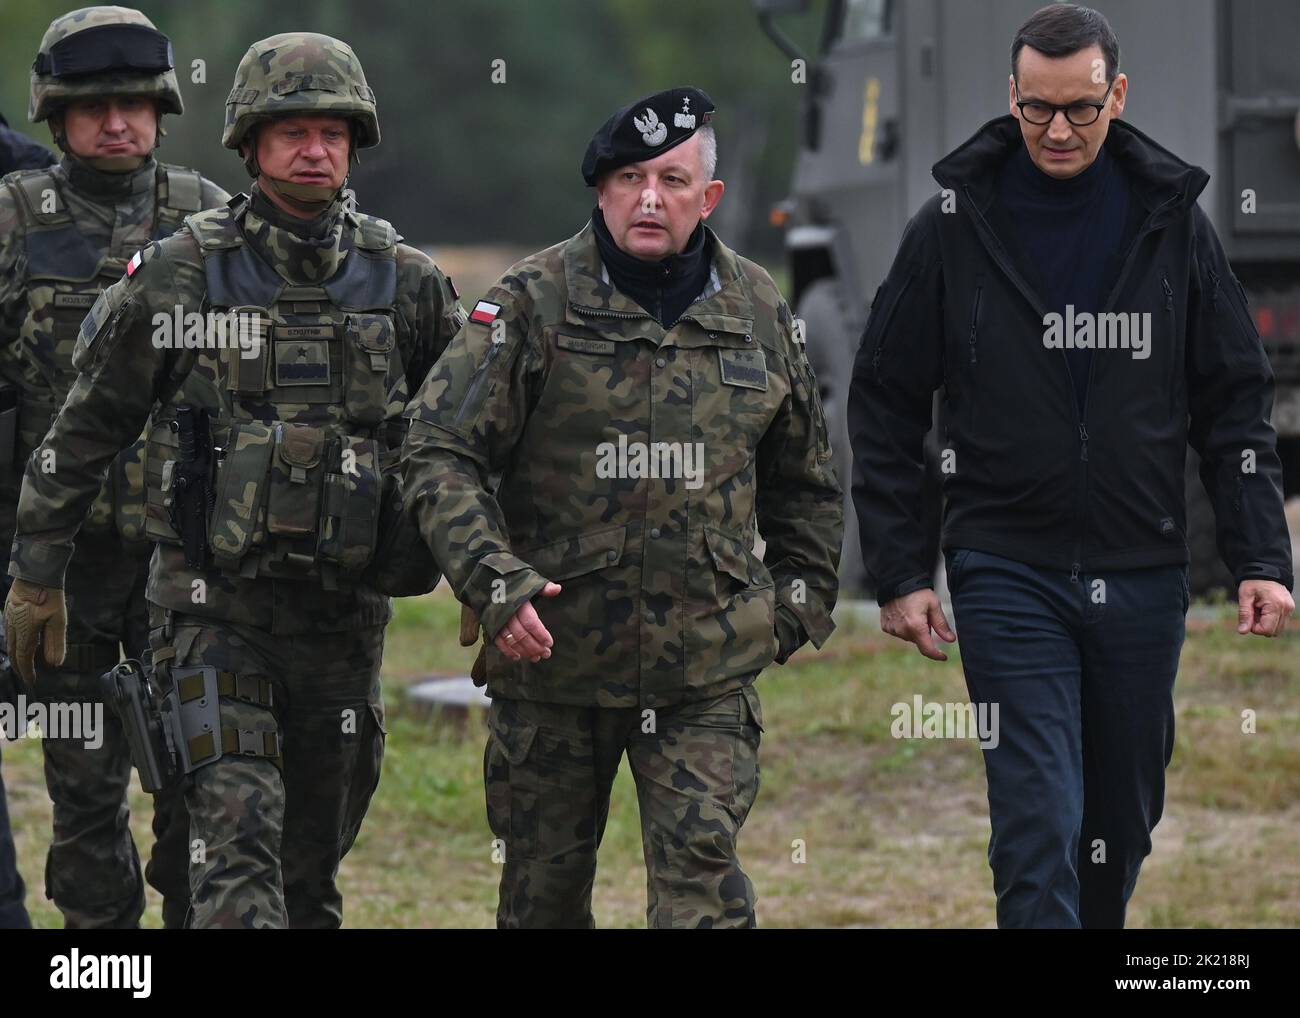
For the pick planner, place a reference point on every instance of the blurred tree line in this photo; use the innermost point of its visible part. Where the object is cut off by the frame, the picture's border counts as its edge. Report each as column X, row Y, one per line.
column 465, row 160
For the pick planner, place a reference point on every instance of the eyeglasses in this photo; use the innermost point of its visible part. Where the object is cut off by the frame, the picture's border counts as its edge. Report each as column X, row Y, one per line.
column 1080, row 114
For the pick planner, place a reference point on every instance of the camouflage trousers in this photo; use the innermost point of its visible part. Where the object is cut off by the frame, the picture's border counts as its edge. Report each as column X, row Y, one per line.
column 549, row 768
column 266, row 835
column 92, row 869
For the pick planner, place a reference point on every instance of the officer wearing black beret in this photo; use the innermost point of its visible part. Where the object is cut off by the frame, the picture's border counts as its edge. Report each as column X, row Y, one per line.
column 643, row 397
column 646, row 129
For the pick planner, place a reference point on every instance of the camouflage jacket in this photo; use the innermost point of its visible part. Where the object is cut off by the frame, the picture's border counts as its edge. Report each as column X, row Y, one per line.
column 65, row 234
column 125, row 375
column 567, row 436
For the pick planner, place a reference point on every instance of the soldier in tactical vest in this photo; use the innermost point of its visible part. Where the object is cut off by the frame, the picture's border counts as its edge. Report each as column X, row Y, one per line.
column 17, row 152
column 272, row 487
column 644, row 398
column 102, row 79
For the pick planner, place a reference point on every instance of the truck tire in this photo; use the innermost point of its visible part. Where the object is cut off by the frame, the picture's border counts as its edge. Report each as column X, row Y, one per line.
column 831, row 348
column 832, row 345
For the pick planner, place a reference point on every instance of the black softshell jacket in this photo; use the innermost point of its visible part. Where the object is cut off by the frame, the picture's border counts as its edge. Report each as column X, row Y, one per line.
column 1026, row 475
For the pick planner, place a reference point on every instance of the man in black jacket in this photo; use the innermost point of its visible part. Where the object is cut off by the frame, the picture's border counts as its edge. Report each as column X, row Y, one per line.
column 1076, row 306
column 19, row 152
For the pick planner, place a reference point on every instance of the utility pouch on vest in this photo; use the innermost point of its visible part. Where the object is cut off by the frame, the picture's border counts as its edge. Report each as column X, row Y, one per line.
column 161, row 452
column 367, row 348
column 8, row 426
column 350, row 513
column 293, row 506
column 248, row 342
column 241, row 484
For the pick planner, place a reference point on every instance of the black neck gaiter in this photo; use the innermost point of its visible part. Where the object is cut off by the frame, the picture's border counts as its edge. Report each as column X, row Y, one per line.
column 665, row 288
column 107, row 186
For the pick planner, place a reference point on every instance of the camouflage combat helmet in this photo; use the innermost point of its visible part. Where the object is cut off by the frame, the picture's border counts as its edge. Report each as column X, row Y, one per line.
column 97, row 51
column 300, row 72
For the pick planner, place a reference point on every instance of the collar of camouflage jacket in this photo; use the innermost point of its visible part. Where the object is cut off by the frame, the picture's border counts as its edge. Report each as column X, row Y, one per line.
column 105, row 187
column 724, row 306
column 305, row 251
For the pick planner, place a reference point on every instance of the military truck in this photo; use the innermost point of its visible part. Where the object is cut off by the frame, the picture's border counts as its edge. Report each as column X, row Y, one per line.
column 894, row 85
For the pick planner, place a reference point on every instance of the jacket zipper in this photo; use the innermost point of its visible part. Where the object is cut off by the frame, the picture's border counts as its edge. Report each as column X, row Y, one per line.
column 604, row 313
column 1081, row 414
column 1173, row 343
column 1215, row 278
column 974, row 321
column 477, row 383
column 117, row 315
column 888, row 314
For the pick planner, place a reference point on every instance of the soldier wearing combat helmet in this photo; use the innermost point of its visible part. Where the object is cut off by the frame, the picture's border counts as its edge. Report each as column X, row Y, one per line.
column 642, row 394
column 272, row 488
column 102, row 80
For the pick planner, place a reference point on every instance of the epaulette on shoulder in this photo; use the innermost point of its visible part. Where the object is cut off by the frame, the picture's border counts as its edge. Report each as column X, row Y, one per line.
column 375, row 234
column 219, row 227
column 184, row 187
column 33, row 187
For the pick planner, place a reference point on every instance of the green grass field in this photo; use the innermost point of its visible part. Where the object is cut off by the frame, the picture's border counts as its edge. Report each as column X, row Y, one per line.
column 895, row 831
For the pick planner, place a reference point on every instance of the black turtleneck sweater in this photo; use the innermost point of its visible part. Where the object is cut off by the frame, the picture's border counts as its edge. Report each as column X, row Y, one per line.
column 1067, row 237
column 664, row 288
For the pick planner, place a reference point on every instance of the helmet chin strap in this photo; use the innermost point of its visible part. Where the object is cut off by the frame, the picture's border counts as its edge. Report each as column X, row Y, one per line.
column 309, row 198
column 313, row 198
column 115, row 164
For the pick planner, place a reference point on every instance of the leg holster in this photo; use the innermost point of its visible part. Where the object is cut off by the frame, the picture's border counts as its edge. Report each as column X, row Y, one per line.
column 193, row 707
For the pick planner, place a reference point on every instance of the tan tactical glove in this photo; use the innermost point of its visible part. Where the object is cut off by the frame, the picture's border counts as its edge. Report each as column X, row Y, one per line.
column 35, row 616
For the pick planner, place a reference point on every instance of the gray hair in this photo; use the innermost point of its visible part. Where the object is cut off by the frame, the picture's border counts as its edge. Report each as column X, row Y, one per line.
column 708, row 150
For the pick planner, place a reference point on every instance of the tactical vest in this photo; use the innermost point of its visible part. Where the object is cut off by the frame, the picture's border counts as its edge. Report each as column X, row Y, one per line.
column 302, row 408
column 65, row 274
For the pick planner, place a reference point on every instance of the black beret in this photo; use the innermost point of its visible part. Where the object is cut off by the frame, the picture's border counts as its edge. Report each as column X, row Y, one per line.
column 645, row 129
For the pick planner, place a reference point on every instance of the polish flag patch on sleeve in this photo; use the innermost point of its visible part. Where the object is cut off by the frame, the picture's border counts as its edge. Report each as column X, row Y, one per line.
column 138, row 259
column 485, row 312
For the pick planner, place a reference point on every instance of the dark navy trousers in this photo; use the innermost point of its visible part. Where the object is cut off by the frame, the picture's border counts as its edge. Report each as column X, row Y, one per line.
column 1082, row 671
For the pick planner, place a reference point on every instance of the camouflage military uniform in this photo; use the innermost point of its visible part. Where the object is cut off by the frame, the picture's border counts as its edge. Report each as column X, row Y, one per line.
column 16, row 152
column 306, row 431
column 65, row 234
column 666, row 615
